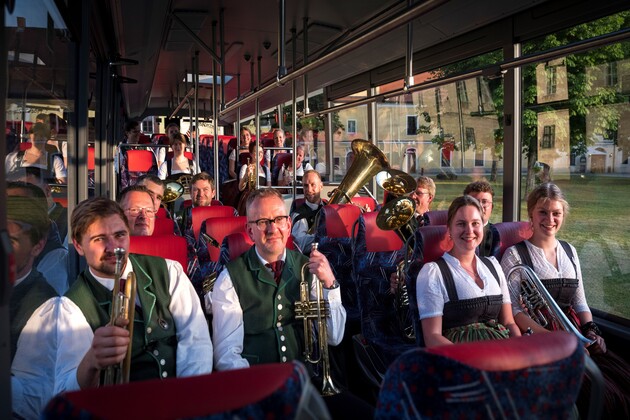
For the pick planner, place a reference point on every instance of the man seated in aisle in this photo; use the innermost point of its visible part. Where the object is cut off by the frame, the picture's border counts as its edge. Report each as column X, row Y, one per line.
column 303, row 216
column 31, row 310
column 137, row 203
column 202, row 192
column 484, row 193
column 170, row 337
column 52, row 261
column 423, row 196
column 287, row 175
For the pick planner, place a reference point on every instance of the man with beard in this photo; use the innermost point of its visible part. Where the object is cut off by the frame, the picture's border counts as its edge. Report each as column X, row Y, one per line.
column 303, row 217
column 137, row 202
column 170, row 337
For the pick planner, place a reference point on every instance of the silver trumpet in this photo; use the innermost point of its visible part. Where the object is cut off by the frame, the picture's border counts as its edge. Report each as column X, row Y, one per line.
column 536, row 300
column 123, row 308
column 315, row 310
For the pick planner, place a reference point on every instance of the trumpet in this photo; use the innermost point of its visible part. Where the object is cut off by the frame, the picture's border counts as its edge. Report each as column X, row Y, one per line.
column 123, row 308
column 251, row 178
column 537, row 301
column 315, row 310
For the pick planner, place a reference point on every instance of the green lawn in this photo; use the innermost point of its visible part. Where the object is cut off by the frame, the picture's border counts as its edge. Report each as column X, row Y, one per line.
column 598, row 226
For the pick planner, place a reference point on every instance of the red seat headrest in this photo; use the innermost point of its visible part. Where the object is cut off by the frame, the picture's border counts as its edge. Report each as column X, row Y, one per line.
column 165, row 246
column 435, row 242
column 378, row 240
column 511, row 233
column 340, row 218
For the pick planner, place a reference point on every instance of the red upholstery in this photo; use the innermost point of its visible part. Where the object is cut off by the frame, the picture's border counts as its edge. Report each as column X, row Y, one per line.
column 25, row 146
column 511, row 233
column 268, row 142
column 435, row 242
column 180, row 398
column 285, row 159
column 219, row 227
column 189, row 155
column 164, row 226
column 199, row 214
column 165, row 246
column 206, row 139
column 61, row 200
column 340, row 218
column 363, row 201
column 144, row 139
column 513, row 354
column 155, row 137
column 161, row 213
column 91, row 160
column 378, row 240
column 140, row 160
column 188, row 203
column 437, row 217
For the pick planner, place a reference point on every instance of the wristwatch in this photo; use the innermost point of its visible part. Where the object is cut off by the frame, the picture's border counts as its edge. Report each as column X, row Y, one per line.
column 334, row 285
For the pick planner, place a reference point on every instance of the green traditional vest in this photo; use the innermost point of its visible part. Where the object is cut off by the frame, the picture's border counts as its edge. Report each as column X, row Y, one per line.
column 25, row 298
column 154, row 343
column 272, row 334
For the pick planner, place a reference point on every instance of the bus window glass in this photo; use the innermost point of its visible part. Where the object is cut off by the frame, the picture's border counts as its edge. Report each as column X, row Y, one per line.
column 576, row 133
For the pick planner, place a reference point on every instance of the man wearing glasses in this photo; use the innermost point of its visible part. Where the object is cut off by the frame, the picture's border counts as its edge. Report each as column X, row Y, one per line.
column 423, row 197
column 483, row 192
column 253, row 299
column 137, row 203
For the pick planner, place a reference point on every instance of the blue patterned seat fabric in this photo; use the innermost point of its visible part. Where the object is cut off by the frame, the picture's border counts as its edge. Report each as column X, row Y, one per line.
column 377, row 306
column 420, row 384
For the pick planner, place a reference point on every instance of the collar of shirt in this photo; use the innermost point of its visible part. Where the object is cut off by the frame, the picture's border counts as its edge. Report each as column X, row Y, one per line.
column 313, row 206
column 108, row 282
column 21, row 279
column 264, row 261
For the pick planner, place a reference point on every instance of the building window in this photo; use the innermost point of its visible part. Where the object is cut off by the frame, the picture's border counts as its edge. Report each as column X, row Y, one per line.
column 470, row 137
column 147, row 126
column 462, row 95
column 611, row 74
column 352, row 126
column 412, row 125
column 549, row 137
column 552, row 79
column 479, row 158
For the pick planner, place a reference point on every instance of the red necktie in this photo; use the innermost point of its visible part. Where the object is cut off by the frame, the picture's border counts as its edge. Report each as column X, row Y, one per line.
column 276, row 267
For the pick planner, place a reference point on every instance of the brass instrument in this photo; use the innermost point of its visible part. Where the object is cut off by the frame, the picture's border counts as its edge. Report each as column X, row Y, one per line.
column 536, row 299
column 172, row 191
column 368, row 161
column 315, row 310
column 398, row 215
column 123, row 308
column 396, row 183
column 251, row 177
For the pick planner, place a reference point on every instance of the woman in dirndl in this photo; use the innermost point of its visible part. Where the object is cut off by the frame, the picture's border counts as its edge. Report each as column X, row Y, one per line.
column 463, row 297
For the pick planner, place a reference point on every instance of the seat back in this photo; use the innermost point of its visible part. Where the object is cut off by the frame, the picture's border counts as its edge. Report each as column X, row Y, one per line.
column 279, row 390
column 91, row 161
column 218, row 228
column 144, row 138
column 337, row 220
column 363, row 201
column 511, row 233
column 376, row 256
column 431, row 243
column 164, row 226
column 525, row 377
column 165, row 246
column 437, row 217
column 199, row 214
column 140, row 160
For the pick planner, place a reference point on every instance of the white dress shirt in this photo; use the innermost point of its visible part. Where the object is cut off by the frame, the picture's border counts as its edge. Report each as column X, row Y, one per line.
column 431, row 291
column 227, row 321
column 194, row 348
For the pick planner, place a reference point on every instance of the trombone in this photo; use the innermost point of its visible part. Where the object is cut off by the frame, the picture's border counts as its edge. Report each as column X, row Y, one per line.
column 123, row 308
column 315, row 310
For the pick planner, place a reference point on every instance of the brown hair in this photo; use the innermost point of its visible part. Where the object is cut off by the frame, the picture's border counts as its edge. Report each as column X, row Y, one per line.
column 203, row 176
column 262, row 193
column 178, row 138
column 91, row 210
column 546, row 192
column 132, row 188
column 479, row 187
column 458, row 203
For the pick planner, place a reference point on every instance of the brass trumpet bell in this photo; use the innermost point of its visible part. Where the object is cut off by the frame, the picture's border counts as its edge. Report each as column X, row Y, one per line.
column 172, row 191
column 398, row 215
column 395, row 182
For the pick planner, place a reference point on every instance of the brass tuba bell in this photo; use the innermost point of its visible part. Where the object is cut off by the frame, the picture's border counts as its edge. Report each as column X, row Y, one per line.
column 172, row 191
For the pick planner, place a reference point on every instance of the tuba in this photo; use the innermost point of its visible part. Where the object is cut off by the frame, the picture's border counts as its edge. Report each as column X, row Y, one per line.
column 537, row 302
column 123, row 308
column 398, row 214
column 315, row 310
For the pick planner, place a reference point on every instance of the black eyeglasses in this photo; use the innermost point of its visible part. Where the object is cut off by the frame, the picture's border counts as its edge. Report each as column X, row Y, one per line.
column 281, row 222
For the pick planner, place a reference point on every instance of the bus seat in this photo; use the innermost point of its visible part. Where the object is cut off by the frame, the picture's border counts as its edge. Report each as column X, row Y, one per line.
column 278, row 160
column 161, row 213
column 217, row 228
column 164, row 226
column 437, row 217
column 206, row 139
column 278, row 390
column 376, row 255
column 140, row 160
column 91, row 160
column 431, row 243
column 144, row 139
column 25, row 145
column 525, row 377
column 334, row 235
column 511, row 233
column 199, row 214
column 166, row 246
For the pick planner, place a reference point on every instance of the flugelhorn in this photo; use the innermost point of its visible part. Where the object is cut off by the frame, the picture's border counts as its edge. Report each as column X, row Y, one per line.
column 537, row 301
column 123, row 308
column 318, row 311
